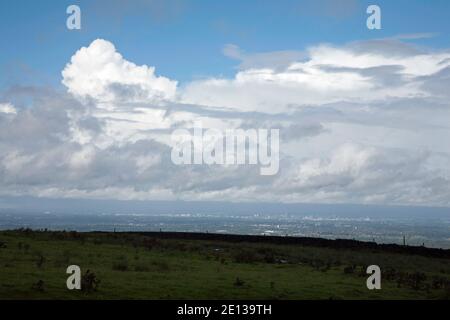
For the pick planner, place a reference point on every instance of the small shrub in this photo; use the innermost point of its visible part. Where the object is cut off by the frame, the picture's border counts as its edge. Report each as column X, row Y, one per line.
column 317, row 264
column 39, row 286
column 239, row 282
column 89, row 282
column 268, row 254
column 269, row 258
column 40, row 260
column 439, row 282
column 416, row 280
column 362, row 272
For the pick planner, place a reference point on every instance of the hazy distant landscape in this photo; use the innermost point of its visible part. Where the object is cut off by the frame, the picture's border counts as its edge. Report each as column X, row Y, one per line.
column 429, row 232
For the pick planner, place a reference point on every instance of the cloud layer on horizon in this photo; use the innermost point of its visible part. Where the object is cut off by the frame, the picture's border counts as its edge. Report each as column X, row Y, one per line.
column 366, row 122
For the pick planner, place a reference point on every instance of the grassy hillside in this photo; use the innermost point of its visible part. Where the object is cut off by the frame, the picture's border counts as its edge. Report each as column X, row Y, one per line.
column 151, row 266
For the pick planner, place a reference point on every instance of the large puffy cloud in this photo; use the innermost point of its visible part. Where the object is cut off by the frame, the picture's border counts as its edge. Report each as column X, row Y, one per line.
column 361, row 123
column 100, row 72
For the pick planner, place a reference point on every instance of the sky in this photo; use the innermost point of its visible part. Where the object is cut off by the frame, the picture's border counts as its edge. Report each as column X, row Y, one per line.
column 363, row 114
column 156, row 31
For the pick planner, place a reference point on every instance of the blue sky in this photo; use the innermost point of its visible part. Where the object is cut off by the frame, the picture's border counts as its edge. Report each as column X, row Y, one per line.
column 184, row 38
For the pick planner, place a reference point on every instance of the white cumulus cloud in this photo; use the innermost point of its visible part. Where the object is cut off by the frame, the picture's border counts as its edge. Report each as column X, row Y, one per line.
column 100, row 72
column 359, row 72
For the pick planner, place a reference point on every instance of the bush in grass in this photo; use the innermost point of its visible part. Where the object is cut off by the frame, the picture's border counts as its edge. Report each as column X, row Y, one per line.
column 39, row 286
column 318, row 264
column 416, row 280
column 239, row 282
column 89, row 282
column 362, row 271
column 39, row 259
column 440, row 283
column 270, row 258
column 268, row 254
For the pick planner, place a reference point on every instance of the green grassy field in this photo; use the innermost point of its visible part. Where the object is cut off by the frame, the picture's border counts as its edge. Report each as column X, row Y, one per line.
column 132, row 266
